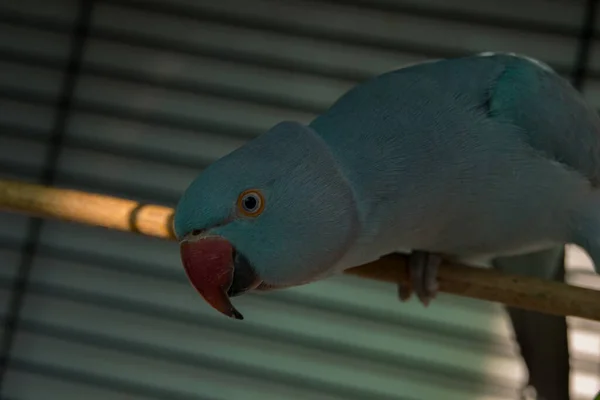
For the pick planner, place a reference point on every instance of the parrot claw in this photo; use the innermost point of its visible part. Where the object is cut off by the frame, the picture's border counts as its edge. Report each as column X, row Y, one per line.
column 422, row 270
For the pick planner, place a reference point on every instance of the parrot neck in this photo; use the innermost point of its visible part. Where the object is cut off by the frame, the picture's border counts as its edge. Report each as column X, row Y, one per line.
column 370, row 242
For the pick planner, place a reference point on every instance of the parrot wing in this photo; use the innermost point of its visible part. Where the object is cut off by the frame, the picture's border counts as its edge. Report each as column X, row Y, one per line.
column 555, row 119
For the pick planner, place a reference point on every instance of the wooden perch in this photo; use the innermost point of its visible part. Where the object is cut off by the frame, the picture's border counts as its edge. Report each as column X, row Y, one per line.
column 154, row 220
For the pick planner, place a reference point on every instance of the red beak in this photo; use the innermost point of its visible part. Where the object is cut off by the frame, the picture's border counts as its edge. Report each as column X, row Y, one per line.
column 209, row 265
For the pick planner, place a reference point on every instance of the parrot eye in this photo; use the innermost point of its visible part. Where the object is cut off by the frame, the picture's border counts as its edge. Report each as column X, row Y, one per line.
column 251, row 203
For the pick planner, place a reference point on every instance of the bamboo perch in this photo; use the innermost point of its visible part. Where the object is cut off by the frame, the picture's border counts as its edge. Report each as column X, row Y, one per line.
column 154, row 220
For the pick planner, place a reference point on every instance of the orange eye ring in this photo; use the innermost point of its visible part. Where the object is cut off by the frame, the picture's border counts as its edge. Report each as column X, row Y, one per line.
column 251, row 203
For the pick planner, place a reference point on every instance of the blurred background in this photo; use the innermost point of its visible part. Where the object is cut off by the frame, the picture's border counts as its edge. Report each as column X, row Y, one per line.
column 134, row 98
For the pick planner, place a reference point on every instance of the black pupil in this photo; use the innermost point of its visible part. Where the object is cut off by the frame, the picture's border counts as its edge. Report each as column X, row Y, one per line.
column 250, row 203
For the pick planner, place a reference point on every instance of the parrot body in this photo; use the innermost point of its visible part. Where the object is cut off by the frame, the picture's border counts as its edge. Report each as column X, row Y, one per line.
column 488, row 159
column 474, row 157
column 474, row 165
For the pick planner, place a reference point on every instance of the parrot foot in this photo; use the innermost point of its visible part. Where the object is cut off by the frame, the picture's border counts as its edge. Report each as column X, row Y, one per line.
column 422, row 271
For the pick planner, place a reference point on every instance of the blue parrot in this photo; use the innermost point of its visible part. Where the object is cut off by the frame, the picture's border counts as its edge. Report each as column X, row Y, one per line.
column 490, row 159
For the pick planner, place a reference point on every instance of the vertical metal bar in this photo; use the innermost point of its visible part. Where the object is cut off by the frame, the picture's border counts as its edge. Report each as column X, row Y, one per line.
column 580, row 67
column 583, row 54
column 78, row 39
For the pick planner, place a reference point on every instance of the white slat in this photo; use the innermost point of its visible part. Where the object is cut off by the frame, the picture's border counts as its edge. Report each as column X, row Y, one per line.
column 254, row 44
column 584, row 335
column 120, row 170
column 179, row 68
column 34, row 41
column 145, row 99
column 41, row 81
column 10, row 261
column 394, row 27
column 61, row 12
column 566, row 14
column 35, row 386
column 195, row 146
column 591, row 92
column 34, row 119
column 21, row 153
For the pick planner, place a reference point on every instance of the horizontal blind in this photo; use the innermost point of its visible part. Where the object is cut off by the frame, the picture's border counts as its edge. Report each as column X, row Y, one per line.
column 32, row 61
column 166, row 88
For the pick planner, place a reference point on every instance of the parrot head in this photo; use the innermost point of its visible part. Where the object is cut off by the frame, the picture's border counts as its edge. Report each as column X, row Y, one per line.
column 276, row 212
